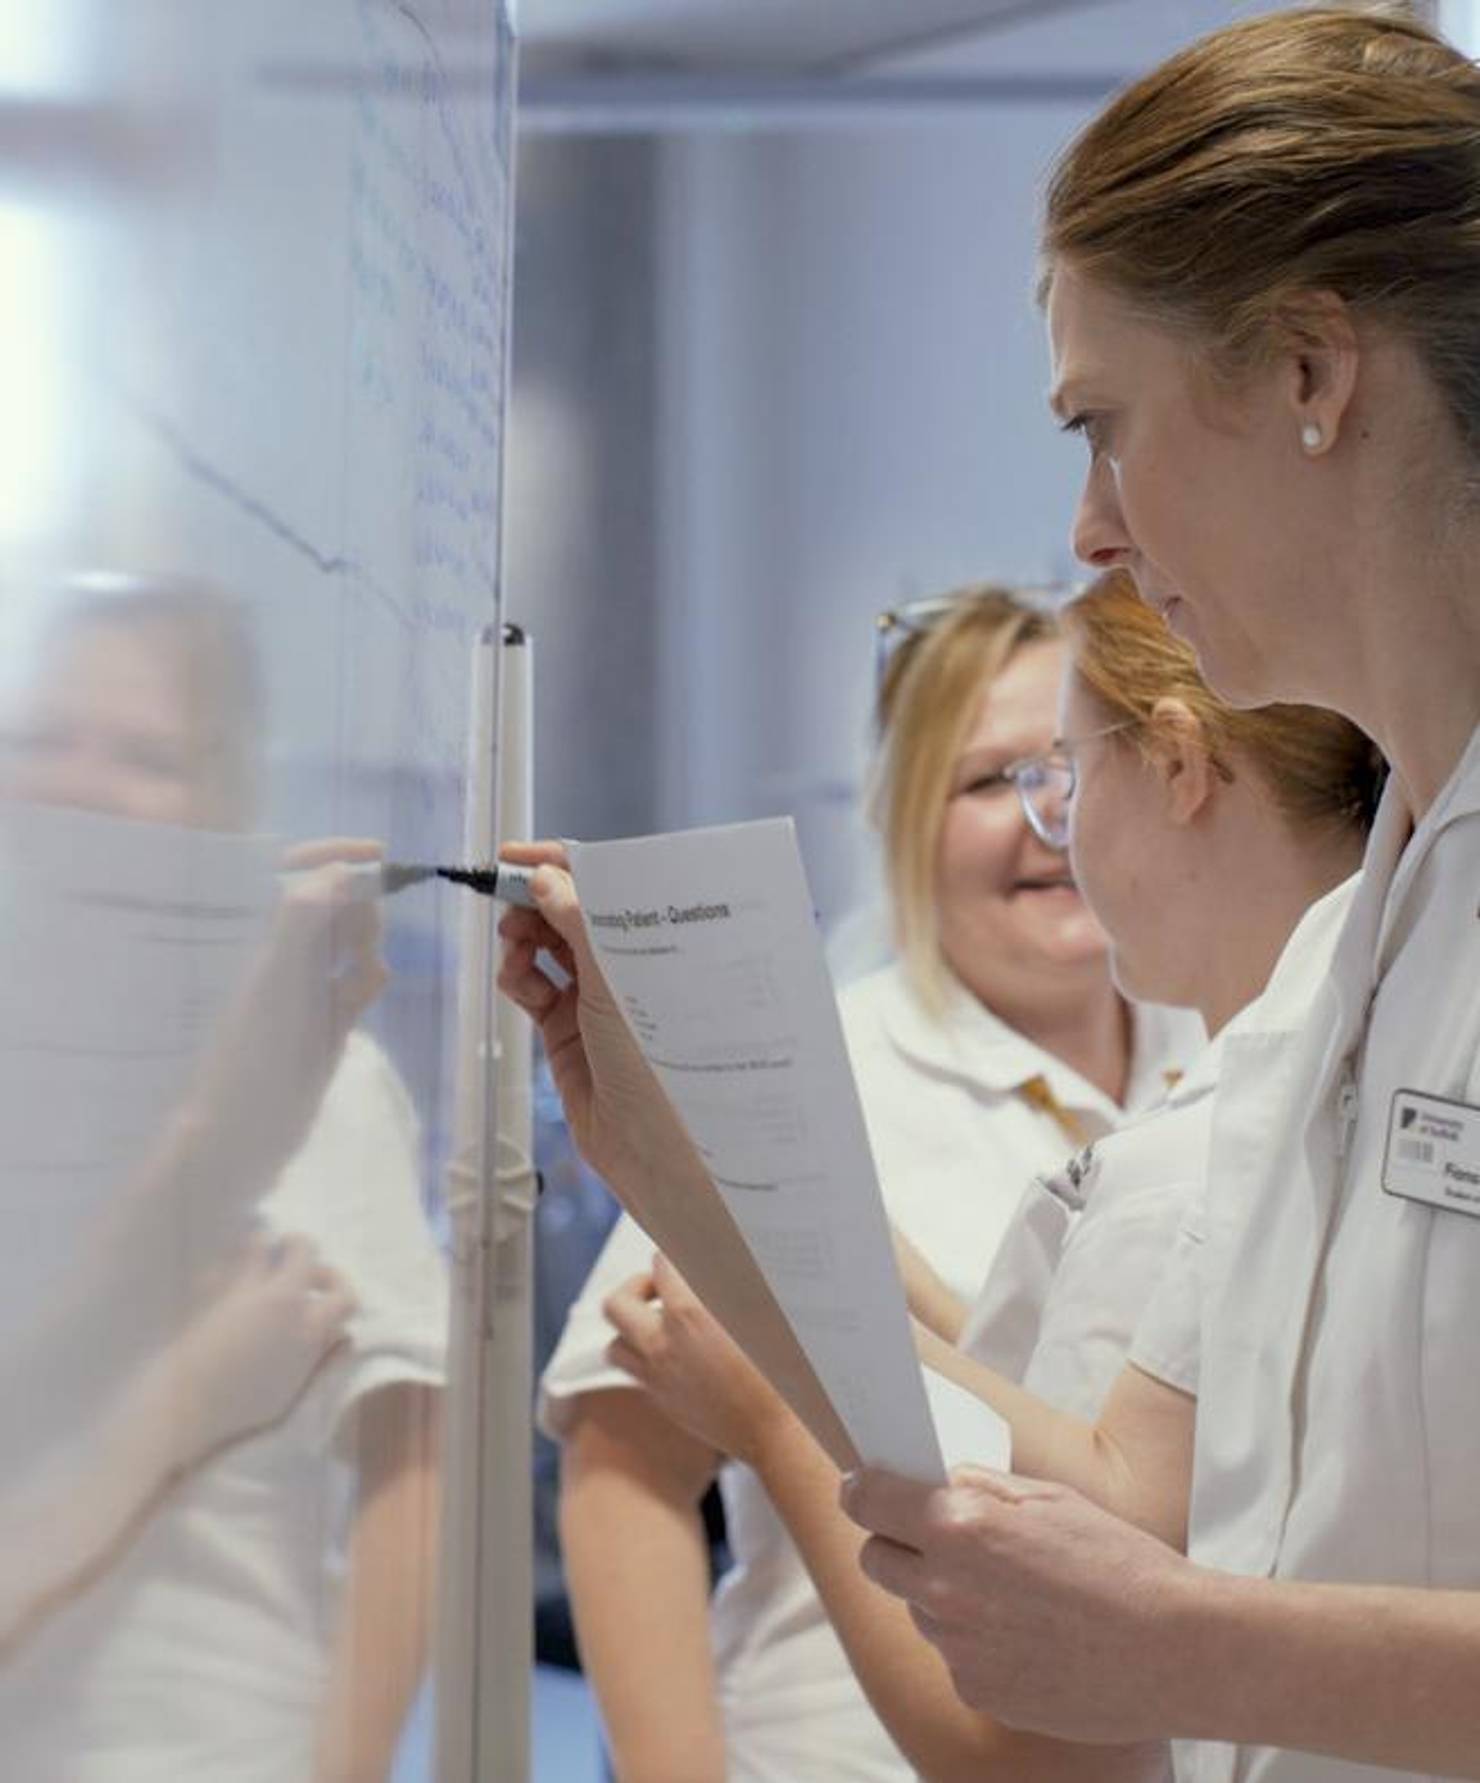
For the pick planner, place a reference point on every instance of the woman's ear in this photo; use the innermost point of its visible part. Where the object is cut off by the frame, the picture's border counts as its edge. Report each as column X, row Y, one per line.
column 1325, row 353
column 1177, row 747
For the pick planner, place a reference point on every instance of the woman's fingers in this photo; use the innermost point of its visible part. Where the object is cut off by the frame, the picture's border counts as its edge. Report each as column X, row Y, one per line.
column 296, row 1260
column 535, row 854
column 554, row 893
column 330, row 1308
column 622, row 1355
column 669, row 1286
column 634, row 1311
column 323, row 850
column 520, row 924
column 521, row 980
column 893, row 1567
column 556, row 905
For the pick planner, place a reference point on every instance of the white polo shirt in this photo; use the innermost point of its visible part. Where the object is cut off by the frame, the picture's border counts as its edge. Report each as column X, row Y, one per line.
column 1324, row 1323
column 954, row 1141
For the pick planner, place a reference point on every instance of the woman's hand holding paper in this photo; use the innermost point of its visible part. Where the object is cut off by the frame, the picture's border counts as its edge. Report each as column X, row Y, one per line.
column 691, row 1368
column 1052, row 1615
column 619, row 1116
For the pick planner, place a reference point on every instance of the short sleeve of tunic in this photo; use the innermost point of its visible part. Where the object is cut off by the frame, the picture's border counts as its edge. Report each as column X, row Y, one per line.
column 579, row 1364
column 1168, row 1339
column 354, row 1189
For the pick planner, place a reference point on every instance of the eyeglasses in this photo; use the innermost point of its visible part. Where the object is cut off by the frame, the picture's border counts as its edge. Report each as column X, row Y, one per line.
column 895, row 626
column 1045, row 783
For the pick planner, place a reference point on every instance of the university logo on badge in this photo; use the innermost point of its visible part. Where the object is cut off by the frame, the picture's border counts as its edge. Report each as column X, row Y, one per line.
column 1414, row 1138
column 1412, row 1146
column 1433, row 1152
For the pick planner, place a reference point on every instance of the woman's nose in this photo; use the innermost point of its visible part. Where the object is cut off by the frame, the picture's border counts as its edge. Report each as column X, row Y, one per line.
column 1100, row 538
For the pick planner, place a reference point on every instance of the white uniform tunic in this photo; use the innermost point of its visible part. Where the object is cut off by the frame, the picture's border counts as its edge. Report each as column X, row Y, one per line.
column 1086, row 1247
column 954, row 1139
column 1325, row 1324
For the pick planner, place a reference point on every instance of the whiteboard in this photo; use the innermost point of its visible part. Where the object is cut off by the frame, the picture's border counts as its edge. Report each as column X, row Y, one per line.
column 255, row 331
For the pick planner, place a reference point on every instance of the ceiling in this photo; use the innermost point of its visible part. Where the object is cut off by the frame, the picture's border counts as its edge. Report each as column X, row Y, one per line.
column 763, row 36
column 665, row 66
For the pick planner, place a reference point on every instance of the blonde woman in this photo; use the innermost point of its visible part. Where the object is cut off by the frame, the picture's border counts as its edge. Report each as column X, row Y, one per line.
column 993, row 1044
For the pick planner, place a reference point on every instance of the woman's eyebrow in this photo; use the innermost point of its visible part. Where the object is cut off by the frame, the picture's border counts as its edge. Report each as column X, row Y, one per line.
column 988, row 758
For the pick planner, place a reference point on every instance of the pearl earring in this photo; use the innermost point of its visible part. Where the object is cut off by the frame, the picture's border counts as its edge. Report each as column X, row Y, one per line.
column 1310, row 437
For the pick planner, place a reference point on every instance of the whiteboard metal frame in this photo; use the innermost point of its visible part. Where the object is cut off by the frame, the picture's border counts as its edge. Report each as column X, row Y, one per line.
column 485, row 1606
column 486, row 1590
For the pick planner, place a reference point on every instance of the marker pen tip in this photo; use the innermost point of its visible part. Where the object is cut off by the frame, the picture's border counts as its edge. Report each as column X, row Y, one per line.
column 478, row 879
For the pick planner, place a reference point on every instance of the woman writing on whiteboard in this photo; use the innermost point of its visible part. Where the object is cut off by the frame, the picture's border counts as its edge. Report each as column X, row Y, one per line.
column 993, row 1045
column 1170, row 788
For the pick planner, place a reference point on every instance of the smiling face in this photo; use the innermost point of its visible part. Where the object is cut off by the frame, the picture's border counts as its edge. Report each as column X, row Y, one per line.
column 1010, row 918
column 1203, row 495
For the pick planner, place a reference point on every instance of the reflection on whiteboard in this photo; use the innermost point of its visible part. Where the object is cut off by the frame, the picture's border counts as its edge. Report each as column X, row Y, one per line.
column 258, row 329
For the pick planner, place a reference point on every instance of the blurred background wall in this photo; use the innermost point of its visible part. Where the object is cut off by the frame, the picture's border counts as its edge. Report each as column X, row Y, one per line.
column 777, row 366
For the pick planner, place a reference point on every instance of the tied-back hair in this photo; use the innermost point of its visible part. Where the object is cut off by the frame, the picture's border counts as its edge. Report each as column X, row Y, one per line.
column 1316, row 150
column 1321, row 771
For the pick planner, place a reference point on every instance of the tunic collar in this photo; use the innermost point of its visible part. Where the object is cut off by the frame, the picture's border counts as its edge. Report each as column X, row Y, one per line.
column 971, row 1043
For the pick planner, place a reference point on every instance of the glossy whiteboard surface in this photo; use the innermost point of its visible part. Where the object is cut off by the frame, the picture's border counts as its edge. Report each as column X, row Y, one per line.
column 252, row 342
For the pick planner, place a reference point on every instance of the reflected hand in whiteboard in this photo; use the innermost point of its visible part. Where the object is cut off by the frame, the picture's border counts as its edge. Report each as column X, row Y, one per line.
column 261, row 1332
column 619, row 1116
column 270, row 1323
column 265, row 1075
column 678, row 1351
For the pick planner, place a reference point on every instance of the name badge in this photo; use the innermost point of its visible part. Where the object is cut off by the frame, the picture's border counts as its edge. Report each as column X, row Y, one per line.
column 1433, row 1152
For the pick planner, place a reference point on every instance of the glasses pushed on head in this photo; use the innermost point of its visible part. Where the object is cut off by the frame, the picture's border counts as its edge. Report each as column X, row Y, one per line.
column 896, row 628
